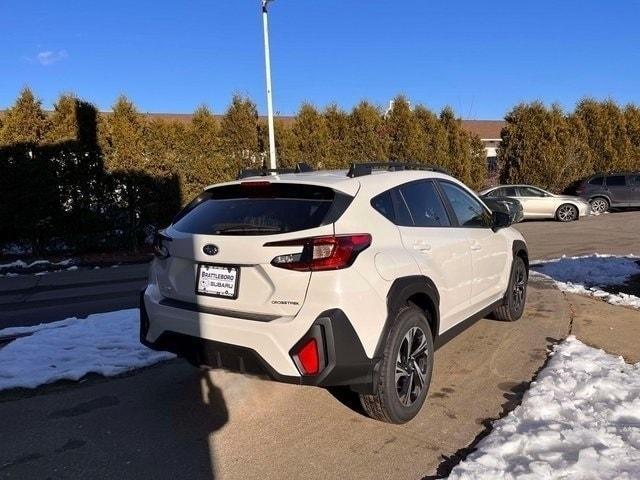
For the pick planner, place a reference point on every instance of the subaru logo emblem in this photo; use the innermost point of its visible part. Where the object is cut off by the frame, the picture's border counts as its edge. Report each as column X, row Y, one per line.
column 210, row 249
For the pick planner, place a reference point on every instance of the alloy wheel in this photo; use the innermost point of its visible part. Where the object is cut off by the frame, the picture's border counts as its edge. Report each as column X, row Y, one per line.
column 567, row 213
column 411, row 366
column 519, row 287
column 599, row 205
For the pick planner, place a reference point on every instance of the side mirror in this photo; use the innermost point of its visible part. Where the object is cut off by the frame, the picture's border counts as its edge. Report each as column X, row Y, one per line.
column 500, row 220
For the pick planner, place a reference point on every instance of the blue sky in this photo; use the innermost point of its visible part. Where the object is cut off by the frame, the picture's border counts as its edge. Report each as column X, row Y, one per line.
column 479, row 57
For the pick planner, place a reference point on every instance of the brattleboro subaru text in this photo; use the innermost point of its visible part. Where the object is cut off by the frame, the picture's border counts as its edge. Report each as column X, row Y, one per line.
column 333, row 278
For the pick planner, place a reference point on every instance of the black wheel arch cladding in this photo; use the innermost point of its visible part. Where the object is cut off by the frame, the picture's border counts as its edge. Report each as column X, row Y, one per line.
column 418, row 289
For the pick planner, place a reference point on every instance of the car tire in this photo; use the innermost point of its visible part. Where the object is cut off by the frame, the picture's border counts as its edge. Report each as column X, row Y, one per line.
column 405, row 369
column 567, row 213
column 516, row 295
column 600, row 205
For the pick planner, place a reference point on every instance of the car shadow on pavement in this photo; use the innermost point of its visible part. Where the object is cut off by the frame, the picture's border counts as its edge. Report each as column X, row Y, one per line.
column 158, row 423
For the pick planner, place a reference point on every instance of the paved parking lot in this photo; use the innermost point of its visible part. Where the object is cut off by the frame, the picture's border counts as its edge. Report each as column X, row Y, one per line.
column 616, row 233
column 172, row 421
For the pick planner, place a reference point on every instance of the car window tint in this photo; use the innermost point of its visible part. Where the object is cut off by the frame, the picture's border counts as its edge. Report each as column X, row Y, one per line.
column 509, row 192
column 383, row 204
column 596, row 181
column 469, row 212
column 530, row 192
column 495, row 193
column 256, row 208
column 425, row 205
column 634, row 180
column 616, row 181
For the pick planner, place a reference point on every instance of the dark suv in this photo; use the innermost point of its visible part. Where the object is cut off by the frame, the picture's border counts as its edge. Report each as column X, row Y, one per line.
column 604, row 191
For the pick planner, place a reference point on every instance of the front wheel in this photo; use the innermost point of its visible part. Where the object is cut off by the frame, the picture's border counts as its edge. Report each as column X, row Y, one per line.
column 405, row 371
column 567, row 213
column 516, row 295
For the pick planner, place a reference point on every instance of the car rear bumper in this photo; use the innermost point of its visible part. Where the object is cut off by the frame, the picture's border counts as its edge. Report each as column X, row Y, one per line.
column 259, row 348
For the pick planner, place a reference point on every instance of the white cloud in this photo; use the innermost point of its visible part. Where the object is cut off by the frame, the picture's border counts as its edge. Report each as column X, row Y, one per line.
column 49, row 57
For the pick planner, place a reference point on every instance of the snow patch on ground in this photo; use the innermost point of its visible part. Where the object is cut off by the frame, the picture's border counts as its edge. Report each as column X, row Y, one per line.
column 587, row 275
column 104, row 343
column 25, row 265
column 580, row 419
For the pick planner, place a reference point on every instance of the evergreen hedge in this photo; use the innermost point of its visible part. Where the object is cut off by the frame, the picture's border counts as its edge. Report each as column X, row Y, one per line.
column 85, row 180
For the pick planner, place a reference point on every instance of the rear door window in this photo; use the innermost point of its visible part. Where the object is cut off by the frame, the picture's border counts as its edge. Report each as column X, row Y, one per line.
column 425, row 204
column 596, row 181
column 616, row 181
column 261, row 208
column 530, row 192
column 509, row 192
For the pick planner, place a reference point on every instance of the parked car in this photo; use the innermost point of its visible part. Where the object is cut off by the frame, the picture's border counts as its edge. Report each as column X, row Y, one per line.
column 538, row 203
column 604, row 191
column 510, row 206
column 333, row 279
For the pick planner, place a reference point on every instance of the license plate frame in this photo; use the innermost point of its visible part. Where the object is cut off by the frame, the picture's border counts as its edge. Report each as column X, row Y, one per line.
column 233, row 295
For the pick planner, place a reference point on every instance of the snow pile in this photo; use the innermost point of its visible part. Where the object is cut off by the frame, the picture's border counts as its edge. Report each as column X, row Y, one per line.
column 104, row 343
column 588, row 275
column 580, row 419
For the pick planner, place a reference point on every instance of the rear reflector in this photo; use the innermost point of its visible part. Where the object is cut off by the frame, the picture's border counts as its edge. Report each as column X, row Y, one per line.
column 321, row 253
column 308, row 357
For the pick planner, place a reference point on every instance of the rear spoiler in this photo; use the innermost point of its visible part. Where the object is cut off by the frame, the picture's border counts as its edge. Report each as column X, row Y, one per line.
column 264, row 172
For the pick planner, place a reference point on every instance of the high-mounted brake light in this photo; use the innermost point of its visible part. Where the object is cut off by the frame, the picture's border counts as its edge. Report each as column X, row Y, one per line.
column 321, row 253
column 259, row 183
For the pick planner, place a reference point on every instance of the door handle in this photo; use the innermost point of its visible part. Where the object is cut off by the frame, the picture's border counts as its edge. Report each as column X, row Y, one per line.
column 476, row 246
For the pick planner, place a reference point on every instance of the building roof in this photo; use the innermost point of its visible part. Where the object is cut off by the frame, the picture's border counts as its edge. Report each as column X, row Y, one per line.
column 485, row 129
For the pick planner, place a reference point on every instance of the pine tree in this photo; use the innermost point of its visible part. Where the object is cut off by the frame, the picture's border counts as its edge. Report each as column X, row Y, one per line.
column 544, row 147
column 406, row 136
column 239, row 137
column 122, row 139
column 434, row 143
column 368, row 138
column 25, row 122
column 458, row 146
column 287, row 151
column 312, row 136
column 71, row 144
column 203, row 164
column 632, row 121
column 29, row 195
column 606, row 134
column 338, row 131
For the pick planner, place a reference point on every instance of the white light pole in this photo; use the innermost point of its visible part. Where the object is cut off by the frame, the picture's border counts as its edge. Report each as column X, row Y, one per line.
column 267, row 64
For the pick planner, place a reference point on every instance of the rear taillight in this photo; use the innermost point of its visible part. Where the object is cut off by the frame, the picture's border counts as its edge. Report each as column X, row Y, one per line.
column 321, row 253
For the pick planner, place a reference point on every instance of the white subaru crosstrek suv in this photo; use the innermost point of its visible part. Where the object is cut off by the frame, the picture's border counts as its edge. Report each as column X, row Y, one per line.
column 333, row 278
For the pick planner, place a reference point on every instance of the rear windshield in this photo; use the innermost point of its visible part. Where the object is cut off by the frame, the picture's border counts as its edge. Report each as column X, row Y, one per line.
column 261, row 208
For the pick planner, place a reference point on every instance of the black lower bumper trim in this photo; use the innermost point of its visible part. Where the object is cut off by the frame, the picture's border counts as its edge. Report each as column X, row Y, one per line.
column 345, row 361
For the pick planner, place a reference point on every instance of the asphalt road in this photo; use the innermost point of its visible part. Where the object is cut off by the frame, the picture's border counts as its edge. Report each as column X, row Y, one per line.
column 34, row 299
column 173, row 421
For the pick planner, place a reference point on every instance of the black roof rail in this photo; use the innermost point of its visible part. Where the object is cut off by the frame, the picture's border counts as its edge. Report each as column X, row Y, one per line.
column 263, row 172
column 361, row 169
